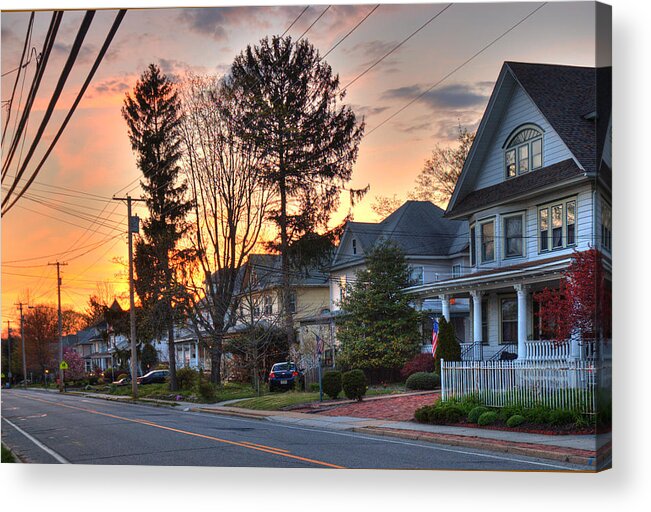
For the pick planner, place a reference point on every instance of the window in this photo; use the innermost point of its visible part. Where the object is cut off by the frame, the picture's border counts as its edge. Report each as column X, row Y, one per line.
column 292, row 302
column 268, row 305
column 473, row 246
column 513, row 236
column 342, row 288
column 487, row 241
column 354, row 246
column 606, row 226
column 456, row 271
column 570, row 222
column 509, row 318
column 557, row 225
column 416, row 275
column 523, row 152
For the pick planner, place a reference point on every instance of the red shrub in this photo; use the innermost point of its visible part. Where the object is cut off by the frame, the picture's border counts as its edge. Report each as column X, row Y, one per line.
column 419, row 363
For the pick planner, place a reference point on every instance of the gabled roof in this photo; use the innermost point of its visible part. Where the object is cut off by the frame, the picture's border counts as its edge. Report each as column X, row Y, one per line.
column 574, row 100
column 264, row 271
column 555, row 174
column 417, row 227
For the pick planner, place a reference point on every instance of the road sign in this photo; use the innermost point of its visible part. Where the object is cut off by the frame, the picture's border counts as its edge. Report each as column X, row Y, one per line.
column 63, row 365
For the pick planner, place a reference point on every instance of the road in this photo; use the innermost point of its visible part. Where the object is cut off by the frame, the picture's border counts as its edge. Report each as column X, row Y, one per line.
column 49, row 428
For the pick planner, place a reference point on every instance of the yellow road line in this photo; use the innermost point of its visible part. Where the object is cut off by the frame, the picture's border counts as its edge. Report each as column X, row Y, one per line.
column 244, row 444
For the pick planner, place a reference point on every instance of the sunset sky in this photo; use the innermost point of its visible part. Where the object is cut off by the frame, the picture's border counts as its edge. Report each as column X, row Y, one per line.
column 68, row 213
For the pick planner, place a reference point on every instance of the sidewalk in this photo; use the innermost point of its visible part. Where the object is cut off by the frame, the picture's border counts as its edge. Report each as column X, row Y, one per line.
column 587, row 450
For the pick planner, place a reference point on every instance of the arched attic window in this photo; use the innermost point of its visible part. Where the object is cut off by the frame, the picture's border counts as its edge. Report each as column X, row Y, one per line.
column 523, row 150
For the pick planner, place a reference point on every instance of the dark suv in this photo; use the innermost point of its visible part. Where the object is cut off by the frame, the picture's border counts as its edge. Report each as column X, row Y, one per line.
column 155, row 376
column 286, row 376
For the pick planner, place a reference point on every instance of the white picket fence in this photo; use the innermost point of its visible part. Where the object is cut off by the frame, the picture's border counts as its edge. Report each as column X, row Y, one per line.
column 564, row 385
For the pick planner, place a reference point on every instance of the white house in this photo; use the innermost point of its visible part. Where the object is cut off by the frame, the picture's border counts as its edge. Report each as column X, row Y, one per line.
column 536, row 187
column 436, row 250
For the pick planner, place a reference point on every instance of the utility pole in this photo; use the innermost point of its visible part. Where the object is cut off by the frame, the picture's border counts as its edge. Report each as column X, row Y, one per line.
column 58, row 265
column 9, row 350
column 22, row 342
column 133, row 224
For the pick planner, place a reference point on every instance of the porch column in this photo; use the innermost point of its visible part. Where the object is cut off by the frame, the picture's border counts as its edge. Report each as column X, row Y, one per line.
column 445, row 306
column 522, row 292
column 476, row 323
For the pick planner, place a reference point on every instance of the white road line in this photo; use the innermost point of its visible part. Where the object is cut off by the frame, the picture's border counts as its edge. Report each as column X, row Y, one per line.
column 46, row 449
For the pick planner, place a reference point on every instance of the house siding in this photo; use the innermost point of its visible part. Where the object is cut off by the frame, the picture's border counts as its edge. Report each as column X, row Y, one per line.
column 521, row 110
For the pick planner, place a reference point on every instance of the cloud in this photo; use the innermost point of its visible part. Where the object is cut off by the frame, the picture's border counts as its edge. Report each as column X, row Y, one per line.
column 87, row 53
column 111, row 86
column 367, row 111
column 454, row 96
column 216, row 22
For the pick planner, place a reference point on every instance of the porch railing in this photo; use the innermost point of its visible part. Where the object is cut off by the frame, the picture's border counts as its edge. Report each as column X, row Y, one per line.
column 545, row 350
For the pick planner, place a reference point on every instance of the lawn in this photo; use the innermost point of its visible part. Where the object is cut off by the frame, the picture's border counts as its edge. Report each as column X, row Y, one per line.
column 276, row 401
column 7, row 456
column 227, row 391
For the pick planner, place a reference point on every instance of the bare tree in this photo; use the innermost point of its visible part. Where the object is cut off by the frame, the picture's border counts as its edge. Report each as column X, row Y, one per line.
column 231, row 199
column 441, row 171
column 383, row 206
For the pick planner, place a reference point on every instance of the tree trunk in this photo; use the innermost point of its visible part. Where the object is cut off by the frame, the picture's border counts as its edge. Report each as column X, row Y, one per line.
column 171, row 351
column 216, row 358
column 288, row 318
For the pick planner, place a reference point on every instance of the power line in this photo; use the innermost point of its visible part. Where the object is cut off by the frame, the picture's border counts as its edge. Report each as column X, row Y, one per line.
column 350, row 31
column 65, row 72
column 98, row 60
column 314, row 22
column 28, row 36
column 36, row 82
column 430, row 20
column 412, row 101
column 295, row 20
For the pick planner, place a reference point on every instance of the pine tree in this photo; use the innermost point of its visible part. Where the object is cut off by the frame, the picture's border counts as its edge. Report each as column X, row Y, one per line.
column 153, row 117
column 448, row 347
column 290, row 99
column 380, row 329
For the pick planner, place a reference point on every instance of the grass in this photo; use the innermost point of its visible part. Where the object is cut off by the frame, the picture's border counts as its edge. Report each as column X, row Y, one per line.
column 276, row 401
column 227, row 391
column 7, row 456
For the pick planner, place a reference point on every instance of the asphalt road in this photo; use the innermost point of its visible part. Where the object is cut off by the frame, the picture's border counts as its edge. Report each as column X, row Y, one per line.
column 49, row 428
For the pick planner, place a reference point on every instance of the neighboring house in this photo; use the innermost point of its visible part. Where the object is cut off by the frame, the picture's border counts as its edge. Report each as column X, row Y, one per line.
column 536, row 187
column 436, row 249
column 260, row 302
column 93, row 346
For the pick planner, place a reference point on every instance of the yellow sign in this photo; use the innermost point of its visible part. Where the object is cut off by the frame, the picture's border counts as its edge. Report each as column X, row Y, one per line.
column 63, row 365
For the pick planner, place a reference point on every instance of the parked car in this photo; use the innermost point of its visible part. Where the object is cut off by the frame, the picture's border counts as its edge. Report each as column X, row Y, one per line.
column 286, row 376
column 122, row 382
column 153, row 377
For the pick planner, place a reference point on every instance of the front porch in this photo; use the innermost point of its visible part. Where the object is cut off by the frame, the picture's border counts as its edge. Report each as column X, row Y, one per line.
column 503, row 324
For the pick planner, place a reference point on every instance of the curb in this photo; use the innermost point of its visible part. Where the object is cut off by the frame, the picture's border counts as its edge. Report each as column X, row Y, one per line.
column 587, row 458
column 227, row 412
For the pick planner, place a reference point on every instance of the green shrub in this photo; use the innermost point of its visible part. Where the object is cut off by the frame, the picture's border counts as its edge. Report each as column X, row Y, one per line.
column 423, row 381
column 186, row 377
column 444, row 413
column 123, row 376
column 510, row 410
column 314, row 387
column 354, row 384
column 101, row 381
column 331, row 382
column 487, row 418
column 538, row 414
column 422, row 414
column 475, row 413
column 561, row 417
column 515, row 420
column 206, row 391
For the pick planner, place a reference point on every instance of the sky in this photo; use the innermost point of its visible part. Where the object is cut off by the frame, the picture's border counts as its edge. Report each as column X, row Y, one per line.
column 68, row 213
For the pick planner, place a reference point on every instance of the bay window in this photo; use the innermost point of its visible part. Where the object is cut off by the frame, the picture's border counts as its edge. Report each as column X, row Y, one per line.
column 487, row 242
column 557, row 225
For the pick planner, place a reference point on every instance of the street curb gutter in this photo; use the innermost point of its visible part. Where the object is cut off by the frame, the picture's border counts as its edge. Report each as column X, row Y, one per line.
column 587, row 458
column 261, row 415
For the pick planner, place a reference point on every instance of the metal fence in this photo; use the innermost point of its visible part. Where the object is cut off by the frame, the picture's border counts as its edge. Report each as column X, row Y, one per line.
column 562, row 385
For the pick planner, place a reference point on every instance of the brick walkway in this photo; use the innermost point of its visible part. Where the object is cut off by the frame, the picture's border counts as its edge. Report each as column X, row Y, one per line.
column 394, row 409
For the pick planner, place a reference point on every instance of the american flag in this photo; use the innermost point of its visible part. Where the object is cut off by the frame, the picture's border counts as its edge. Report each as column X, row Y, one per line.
column 435, row 336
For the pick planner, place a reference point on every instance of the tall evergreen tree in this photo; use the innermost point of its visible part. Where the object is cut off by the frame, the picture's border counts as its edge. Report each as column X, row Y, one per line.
column 291, row 109
column 448, row 346
column 152, row 113
column 380, row 329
